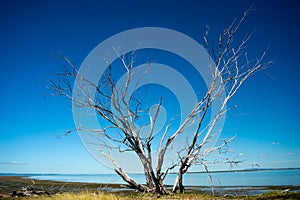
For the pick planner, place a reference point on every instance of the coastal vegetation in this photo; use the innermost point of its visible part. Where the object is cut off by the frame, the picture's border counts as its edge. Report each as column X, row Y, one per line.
column 92, row 191
column 85, row 195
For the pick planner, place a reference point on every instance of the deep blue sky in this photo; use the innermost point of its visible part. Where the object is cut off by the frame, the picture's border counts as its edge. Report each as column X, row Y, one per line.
column 33, row 32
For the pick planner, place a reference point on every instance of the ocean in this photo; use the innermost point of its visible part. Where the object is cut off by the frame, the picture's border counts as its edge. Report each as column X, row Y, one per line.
column 225, row 179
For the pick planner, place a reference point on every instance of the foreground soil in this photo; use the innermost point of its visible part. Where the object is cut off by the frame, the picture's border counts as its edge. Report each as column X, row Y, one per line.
column 91, row 191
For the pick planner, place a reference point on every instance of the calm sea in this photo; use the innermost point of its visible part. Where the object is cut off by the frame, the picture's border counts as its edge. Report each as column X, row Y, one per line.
column 247, row 178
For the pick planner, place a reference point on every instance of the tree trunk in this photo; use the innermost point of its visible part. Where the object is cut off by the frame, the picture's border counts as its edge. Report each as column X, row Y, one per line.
column 159, row 186
column 178, row 184
column 131, row 182
column 148, row 179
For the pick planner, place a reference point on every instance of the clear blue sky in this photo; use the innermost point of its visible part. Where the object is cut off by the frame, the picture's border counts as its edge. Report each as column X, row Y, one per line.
column 33, row 32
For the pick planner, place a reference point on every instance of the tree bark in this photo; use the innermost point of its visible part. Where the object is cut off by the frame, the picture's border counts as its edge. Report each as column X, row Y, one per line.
column 131, row 182
column 178, row 184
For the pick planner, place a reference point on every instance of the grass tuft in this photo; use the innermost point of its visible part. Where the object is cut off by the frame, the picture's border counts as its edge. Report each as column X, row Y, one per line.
column 79, row 196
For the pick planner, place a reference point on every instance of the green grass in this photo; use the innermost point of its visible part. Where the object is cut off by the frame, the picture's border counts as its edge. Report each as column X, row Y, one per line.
column 277, row 195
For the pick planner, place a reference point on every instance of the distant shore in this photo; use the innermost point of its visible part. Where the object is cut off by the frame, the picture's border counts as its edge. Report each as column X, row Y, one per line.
column 244, row 170
column 192, row 172
column 12, row 183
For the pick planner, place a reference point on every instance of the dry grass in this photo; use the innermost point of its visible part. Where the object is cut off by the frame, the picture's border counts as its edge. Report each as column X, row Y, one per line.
column 111, row 196
column 8, row 184
column 79, row 196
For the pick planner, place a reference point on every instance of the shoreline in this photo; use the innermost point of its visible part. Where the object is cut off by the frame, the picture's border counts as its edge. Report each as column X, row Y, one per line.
column 13, row 183
column 192, row 172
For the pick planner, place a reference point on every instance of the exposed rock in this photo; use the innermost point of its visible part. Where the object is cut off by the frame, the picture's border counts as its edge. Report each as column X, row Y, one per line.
column 27, row 192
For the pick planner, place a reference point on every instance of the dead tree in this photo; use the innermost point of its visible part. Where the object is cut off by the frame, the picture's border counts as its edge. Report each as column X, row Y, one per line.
column 229, row 72
column 114, row 104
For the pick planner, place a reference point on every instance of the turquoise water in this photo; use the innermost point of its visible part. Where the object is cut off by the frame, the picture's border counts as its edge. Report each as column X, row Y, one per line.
column 249, row 178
